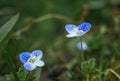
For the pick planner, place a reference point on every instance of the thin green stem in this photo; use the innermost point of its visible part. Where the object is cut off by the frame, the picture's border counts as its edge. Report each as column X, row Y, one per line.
column 27, row 76
column 82, row 55
column 37, row 74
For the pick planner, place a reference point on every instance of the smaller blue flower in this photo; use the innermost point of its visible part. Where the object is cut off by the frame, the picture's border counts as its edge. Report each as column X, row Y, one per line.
column 77, row 31
column 84, row 46
column 31, row 60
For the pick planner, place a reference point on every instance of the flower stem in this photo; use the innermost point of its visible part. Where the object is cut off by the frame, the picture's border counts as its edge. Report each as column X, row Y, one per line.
column 37, row 74
column 82, row 55
column 28, row 75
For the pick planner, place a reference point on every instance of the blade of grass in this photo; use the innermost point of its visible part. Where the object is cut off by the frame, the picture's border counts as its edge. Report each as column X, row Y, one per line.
column 8, row 26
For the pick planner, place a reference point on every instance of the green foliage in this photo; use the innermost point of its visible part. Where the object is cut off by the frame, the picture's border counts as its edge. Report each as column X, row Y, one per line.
column 88, row 66
column 23, row 75
column 8, row 26
column 10, row 77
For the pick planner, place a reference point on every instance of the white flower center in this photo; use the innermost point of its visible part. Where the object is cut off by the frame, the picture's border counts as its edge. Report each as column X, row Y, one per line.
column 80, row 32
column 31, row 60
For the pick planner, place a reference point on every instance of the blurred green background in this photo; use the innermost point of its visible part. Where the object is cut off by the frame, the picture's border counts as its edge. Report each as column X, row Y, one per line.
column 41, row 26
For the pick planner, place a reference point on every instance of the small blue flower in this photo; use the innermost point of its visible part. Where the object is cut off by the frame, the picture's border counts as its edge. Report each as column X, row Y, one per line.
column 77, row 31
column 31, row 60
column 84, row 46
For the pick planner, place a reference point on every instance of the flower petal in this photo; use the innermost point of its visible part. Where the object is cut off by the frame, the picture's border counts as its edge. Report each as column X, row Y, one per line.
column 40, row 63
column 37, row 54
column 70, row 28
column 84, row 46
column 71, row 35
column 85, row 26
column 29, row 66
column 24, row 57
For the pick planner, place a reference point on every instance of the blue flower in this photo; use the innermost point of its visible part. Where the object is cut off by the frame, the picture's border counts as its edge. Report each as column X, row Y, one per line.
column 77, row 31
column 31, row 60
column 84, row 46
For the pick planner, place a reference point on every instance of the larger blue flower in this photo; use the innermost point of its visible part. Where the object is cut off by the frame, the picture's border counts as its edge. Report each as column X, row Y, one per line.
column 31, row 60
column 77, row 31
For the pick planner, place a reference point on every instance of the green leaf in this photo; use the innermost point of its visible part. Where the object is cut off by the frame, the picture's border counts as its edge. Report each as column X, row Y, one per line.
column 22, row 73
column 8, row 26
column 88, row 66
column 92, row 63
